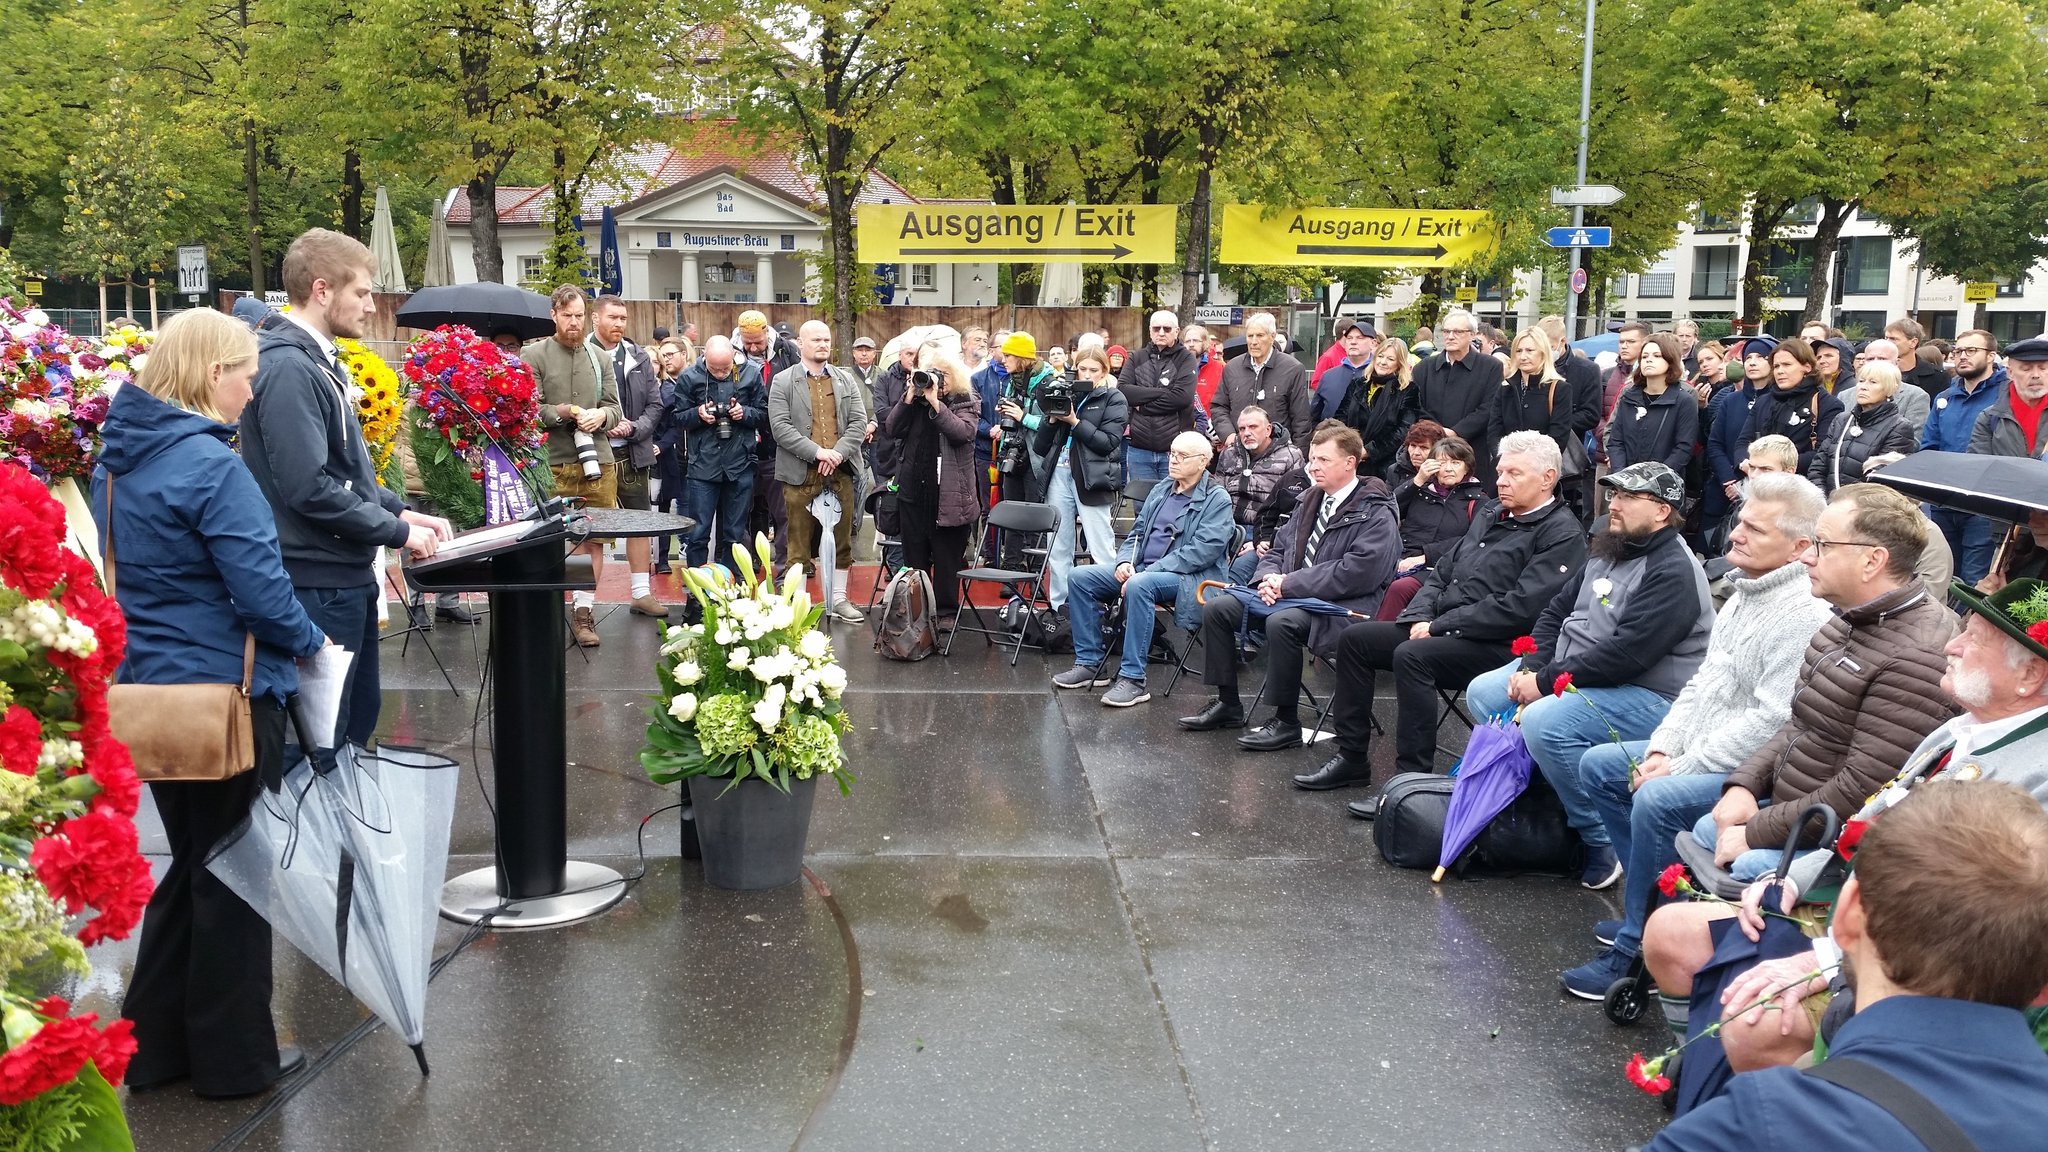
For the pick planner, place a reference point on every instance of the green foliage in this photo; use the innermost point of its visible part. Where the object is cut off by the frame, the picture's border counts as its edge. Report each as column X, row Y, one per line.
column 119, row 192
column 1999, row 235
column 444, row 474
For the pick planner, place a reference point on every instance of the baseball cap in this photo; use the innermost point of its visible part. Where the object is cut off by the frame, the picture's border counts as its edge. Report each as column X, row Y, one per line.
column 864, row 342
column 1650, row 478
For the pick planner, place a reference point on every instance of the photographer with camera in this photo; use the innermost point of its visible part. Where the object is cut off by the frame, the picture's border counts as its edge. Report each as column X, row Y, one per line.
column 579, row 399
column 933, row 424
column 1082, row 444
column 720, row 407
column 1018, row 414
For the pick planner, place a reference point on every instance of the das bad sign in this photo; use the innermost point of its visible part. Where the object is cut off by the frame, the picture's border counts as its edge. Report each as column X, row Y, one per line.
column 971, row 234
column 1358, row 237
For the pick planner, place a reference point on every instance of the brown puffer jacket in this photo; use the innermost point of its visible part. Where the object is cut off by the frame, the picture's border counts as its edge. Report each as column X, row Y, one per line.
column 1870, row 689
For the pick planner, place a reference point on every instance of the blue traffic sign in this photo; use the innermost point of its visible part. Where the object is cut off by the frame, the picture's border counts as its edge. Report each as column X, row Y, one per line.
column 1580, row 237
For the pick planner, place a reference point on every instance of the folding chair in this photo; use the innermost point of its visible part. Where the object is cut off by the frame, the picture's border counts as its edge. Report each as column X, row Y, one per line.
column 1035, row 523
column 1135, row 491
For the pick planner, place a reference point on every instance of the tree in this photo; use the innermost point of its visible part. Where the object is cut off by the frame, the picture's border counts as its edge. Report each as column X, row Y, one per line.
column 1997, row 236
column 846, row 78
column 119, row 192
column 1854, row 104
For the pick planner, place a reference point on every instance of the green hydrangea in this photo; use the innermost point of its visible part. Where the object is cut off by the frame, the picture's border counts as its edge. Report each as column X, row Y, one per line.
column 806, row 744
column 725, row 725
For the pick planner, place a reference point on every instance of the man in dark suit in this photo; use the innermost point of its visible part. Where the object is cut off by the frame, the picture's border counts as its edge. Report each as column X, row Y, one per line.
column 1456, row 386
column 1341, row 547
column 632, row 438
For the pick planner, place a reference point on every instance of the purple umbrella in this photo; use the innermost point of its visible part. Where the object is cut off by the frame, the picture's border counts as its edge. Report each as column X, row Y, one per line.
column 1492, row 773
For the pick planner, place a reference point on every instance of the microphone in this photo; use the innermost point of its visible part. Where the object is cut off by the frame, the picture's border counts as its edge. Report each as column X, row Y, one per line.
column 541, row 502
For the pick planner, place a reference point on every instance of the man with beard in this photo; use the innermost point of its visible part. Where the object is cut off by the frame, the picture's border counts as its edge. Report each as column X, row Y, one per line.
column 1628, row 631
column 578, row 401
column 771, row 355
column 300, row 439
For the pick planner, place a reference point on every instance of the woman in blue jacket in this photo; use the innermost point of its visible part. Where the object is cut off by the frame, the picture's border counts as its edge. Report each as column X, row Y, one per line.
column 192, row 553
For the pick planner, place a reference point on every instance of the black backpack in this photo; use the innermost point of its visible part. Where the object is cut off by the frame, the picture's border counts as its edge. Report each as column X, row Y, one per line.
column 1530, row 835
column 907, row 629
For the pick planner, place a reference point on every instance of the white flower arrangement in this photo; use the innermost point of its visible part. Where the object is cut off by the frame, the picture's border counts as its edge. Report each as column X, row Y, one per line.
column 753, row 690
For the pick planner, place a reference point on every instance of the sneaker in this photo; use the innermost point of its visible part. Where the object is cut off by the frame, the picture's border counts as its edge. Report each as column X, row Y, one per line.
column 1125, row 692
column 583, row 626
column 1591, row 980
column 1082, row 676
column 648, row 606
column 1602, row 869
column 844, row 611
column 1604, row 931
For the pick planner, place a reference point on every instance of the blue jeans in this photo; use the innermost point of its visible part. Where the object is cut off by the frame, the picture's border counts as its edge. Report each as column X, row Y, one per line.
column 1144, row 464
column 349, row 617
column 1750, row 864
column 1643, row 824
column 1093, row 520
column 1969, row 537
column 1093, row 588
column 1559, row 730
column 731, row 501
column 1242, row 567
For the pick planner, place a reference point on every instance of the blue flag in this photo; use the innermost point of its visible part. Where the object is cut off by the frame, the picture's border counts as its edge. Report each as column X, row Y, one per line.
column 610, row 275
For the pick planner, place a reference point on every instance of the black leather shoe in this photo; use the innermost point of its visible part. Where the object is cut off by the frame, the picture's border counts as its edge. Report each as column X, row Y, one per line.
column 1271, row 736
column 1365, row 809
column 290, row 1061
column 454, row 614
column 1216, row 715
column 1337, row 772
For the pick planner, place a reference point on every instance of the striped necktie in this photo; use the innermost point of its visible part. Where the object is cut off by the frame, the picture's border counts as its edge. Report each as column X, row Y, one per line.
column 1315, row 535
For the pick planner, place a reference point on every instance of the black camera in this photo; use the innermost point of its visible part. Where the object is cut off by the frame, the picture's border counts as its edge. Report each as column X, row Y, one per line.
column 922, row 381
column 1056, row 397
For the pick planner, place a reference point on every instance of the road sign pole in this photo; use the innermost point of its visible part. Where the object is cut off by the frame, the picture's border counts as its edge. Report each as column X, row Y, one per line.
column 1571, row 299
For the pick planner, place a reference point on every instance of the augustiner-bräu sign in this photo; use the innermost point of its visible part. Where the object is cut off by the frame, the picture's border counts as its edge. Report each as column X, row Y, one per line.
column 978, row 233
column 1358, row 237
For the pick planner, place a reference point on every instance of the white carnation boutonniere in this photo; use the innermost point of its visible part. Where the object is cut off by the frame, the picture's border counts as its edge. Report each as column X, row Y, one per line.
column 1602, row 589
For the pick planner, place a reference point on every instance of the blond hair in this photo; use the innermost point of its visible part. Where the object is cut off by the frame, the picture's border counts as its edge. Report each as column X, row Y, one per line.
column 933, row 358
column 1775, row 449
column 321, row 254
column 191, row 344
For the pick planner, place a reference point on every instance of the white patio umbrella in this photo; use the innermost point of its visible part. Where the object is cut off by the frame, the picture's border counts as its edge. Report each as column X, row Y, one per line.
column 437, row 272
column 390, row 275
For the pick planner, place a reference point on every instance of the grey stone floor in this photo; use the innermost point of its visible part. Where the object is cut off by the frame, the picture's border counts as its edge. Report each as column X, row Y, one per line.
column 1036, row 924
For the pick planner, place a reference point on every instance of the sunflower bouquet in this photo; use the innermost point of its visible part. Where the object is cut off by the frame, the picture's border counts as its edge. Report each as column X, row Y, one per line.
column 379, row 398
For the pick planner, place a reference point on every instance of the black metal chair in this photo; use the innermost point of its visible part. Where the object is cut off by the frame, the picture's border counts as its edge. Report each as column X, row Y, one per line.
column 1035, row 524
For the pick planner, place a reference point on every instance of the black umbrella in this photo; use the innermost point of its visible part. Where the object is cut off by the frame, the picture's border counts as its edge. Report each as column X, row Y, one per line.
column 1233, row 348
column 2001, row 487
column 487, row 308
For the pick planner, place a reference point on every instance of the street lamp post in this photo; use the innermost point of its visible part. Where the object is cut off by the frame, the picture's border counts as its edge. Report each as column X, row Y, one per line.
column 1571, row 298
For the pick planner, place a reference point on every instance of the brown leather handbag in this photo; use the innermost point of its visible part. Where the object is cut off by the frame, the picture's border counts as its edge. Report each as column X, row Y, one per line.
column 182, row 731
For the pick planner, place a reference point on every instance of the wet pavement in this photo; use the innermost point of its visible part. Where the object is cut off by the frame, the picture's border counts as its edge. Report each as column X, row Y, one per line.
column 1036, row 924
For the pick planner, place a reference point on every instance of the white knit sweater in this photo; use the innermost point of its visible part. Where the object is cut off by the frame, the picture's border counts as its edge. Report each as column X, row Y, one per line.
column 1742, row 694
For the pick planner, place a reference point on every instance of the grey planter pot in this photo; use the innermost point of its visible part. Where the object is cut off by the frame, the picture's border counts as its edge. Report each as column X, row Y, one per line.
column 752, row 836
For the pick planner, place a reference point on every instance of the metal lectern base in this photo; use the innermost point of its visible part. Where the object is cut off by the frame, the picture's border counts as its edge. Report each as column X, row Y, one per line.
column 588, row 889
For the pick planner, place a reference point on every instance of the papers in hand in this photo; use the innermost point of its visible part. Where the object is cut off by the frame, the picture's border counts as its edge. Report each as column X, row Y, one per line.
column 322, row 677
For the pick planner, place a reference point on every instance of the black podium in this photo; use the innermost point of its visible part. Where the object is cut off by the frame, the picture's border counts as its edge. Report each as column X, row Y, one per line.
column 525, row 567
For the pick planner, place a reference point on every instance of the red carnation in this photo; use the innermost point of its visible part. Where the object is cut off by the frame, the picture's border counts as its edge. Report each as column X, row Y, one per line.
column 1672, row 882
column 1852, row 834
column 95, row 860
column 2038, row 633
column 21, row 740
column 1563, row 684
column 1523, row 646
column 50, row 1058
column 111, row 768
column 1648, row 1074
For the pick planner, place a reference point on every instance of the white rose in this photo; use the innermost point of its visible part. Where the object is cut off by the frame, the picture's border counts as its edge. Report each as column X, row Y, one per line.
column 781, row 615
column 683, row 706
column 738, row 659
column 754, row 629
column 768, row 710
column 814, row 646
column 688, row 673
column 723, row 636
column 833, row 678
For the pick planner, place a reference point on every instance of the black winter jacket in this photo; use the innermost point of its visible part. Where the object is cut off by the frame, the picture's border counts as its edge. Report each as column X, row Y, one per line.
column 1664, row 427
column 1434, row 520
column 300, row 439
column 1854, row 438
column 1494, row 583
column 1354, row 562
column 1563, row 411
column 1800, row 413
column 1159, row 388
column 890, row 386
column 1460, row 396
column 1097, row 458
column 1382, row 412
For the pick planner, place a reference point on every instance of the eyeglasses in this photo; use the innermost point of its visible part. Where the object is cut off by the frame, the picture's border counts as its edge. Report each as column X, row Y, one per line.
column 1970, row 348
column 1820, row 546
column 1164, row 327
column 1459, row 331
column 1180, row 456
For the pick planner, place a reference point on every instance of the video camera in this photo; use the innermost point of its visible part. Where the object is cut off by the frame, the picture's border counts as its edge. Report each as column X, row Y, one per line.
column 1056, row 396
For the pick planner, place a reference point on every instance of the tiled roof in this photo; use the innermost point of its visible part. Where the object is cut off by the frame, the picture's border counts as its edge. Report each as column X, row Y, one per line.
column 702, row 146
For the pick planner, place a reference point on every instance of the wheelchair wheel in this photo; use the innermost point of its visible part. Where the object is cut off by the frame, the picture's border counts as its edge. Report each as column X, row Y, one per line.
column 1625, row 1001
